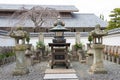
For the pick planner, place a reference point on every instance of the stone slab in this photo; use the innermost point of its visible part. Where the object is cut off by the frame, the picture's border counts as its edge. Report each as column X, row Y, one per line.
column 60, row 77
column 59, row 71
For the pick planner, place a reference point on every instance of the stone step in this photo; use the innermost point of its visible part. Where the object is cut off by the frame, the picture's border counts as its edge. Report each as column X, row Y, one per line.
column 59, row 71
column 60, row 77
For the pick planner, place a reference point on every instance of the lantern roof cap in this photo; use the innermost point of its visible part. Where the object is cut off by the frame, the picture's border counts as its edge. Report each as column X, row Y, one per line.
column 59, row 26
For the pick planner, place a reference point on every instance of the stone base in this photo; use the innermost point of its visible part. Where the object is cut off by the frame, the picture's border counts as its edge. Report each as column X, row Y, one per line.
column 89, row 60
column 100, row 70
column 97, row 71
column 17, row 72
column 75, row 58
column 83, row 61
column 59, row 64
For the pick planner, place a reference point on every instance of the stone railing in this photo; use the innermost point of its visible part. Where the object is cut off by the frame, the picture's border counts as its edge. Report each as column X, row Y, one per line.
column 6, row 49
column 112, row 53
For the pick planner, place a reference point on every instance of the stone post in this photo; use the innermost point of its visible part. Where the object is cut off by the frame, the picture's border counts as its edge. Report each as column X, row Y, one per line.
column 21, row 67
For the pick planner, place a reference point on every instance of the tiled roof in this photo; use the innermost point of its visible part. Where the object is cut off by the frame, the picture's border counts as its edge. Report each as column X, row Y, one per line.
column 77, row 20
column 84, row 20
column 60, row 8
column 114, row 31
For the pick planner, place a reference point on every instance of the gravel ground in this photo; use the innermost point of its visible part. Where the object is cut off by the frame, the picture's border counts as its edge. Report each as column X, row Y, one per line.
column 37, row 72
column 113, row 70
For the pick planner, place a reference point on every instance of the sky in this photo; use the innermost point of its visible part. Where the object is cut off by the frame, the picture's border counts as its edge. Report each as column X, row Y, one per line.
column 97, row 7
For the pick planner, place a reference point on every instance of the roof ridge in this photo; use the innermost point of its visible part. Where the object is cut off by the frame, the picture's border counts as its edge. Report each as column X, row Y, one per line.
column 62, row 8
column 84, row 13
column 34, row 5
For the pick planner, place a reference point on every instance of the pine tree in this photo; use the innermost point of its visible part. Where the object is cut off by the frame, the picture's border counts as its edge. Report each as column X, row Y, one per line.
column 115, row 19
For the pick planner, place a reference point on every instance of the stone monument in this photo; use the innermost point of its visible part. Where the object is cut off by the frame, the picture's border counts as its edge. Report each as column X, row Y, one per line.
column 97, row 66
column 77, row 36
column 21, row 67
column 41, row 37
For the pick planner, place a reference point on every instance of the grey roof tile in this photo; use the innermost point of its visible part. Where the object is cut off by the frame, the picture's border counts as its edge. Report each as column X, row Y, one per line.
column 77, row 20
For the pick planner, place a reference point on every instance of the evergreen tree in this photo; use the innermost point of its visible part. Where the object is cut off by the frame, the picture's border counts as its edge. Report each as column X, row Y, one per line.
column 115, row 19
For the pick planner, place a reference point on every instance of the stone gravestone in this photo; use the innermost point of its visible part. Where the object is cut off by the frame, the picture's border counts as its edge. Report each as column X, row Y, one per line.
column 21, row 67
column 97, row 66
column 41, row 50
column 77, row 37
column 79, row 52
column 75, row 53
column 41, row 37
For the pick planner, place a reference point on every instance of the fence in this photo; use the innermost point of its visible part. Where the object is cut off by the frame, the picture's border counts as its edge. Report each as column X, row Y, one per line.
column 7, row 55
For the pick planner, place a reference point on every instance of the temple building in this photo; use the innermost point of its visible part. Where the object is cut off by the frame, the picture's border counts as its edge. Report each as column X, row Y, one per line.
column 74, row 21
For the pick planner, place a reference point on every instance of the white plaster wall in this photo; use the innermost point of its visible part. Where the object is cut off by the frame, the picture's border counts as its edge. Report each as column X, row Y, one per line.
column 107, row 40
column 6, row 41
column 112, row 40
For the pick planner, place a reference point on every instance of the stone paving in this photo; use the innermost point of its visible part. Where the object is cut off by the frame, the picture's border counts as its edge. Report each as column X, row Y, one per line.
column 37, row 72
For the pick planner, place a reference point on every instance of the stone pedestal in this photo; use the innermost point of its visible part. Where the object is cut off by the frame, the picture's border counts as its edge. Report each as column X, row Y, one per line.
column 98, row 66
column 21, row 67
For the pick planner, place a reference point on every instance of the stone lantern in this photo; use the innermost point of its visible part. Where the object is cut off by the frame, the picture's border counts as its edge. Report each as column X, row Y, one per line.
column 21, row 67
column 97, row 47
column 59, row 47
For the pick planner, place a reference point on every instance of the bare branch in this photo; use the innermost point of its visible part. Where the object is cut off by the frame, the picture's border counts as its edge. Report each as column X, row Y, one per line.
column 38, row 15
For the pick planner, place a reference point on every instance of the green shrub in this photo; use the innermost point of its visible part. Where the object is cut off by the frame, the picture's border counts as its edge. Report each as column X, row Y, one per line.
column 40, row 44
column 2, row 56
column 27, row 39
column 90, row 38
column 5, row 55
column 78, row 46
